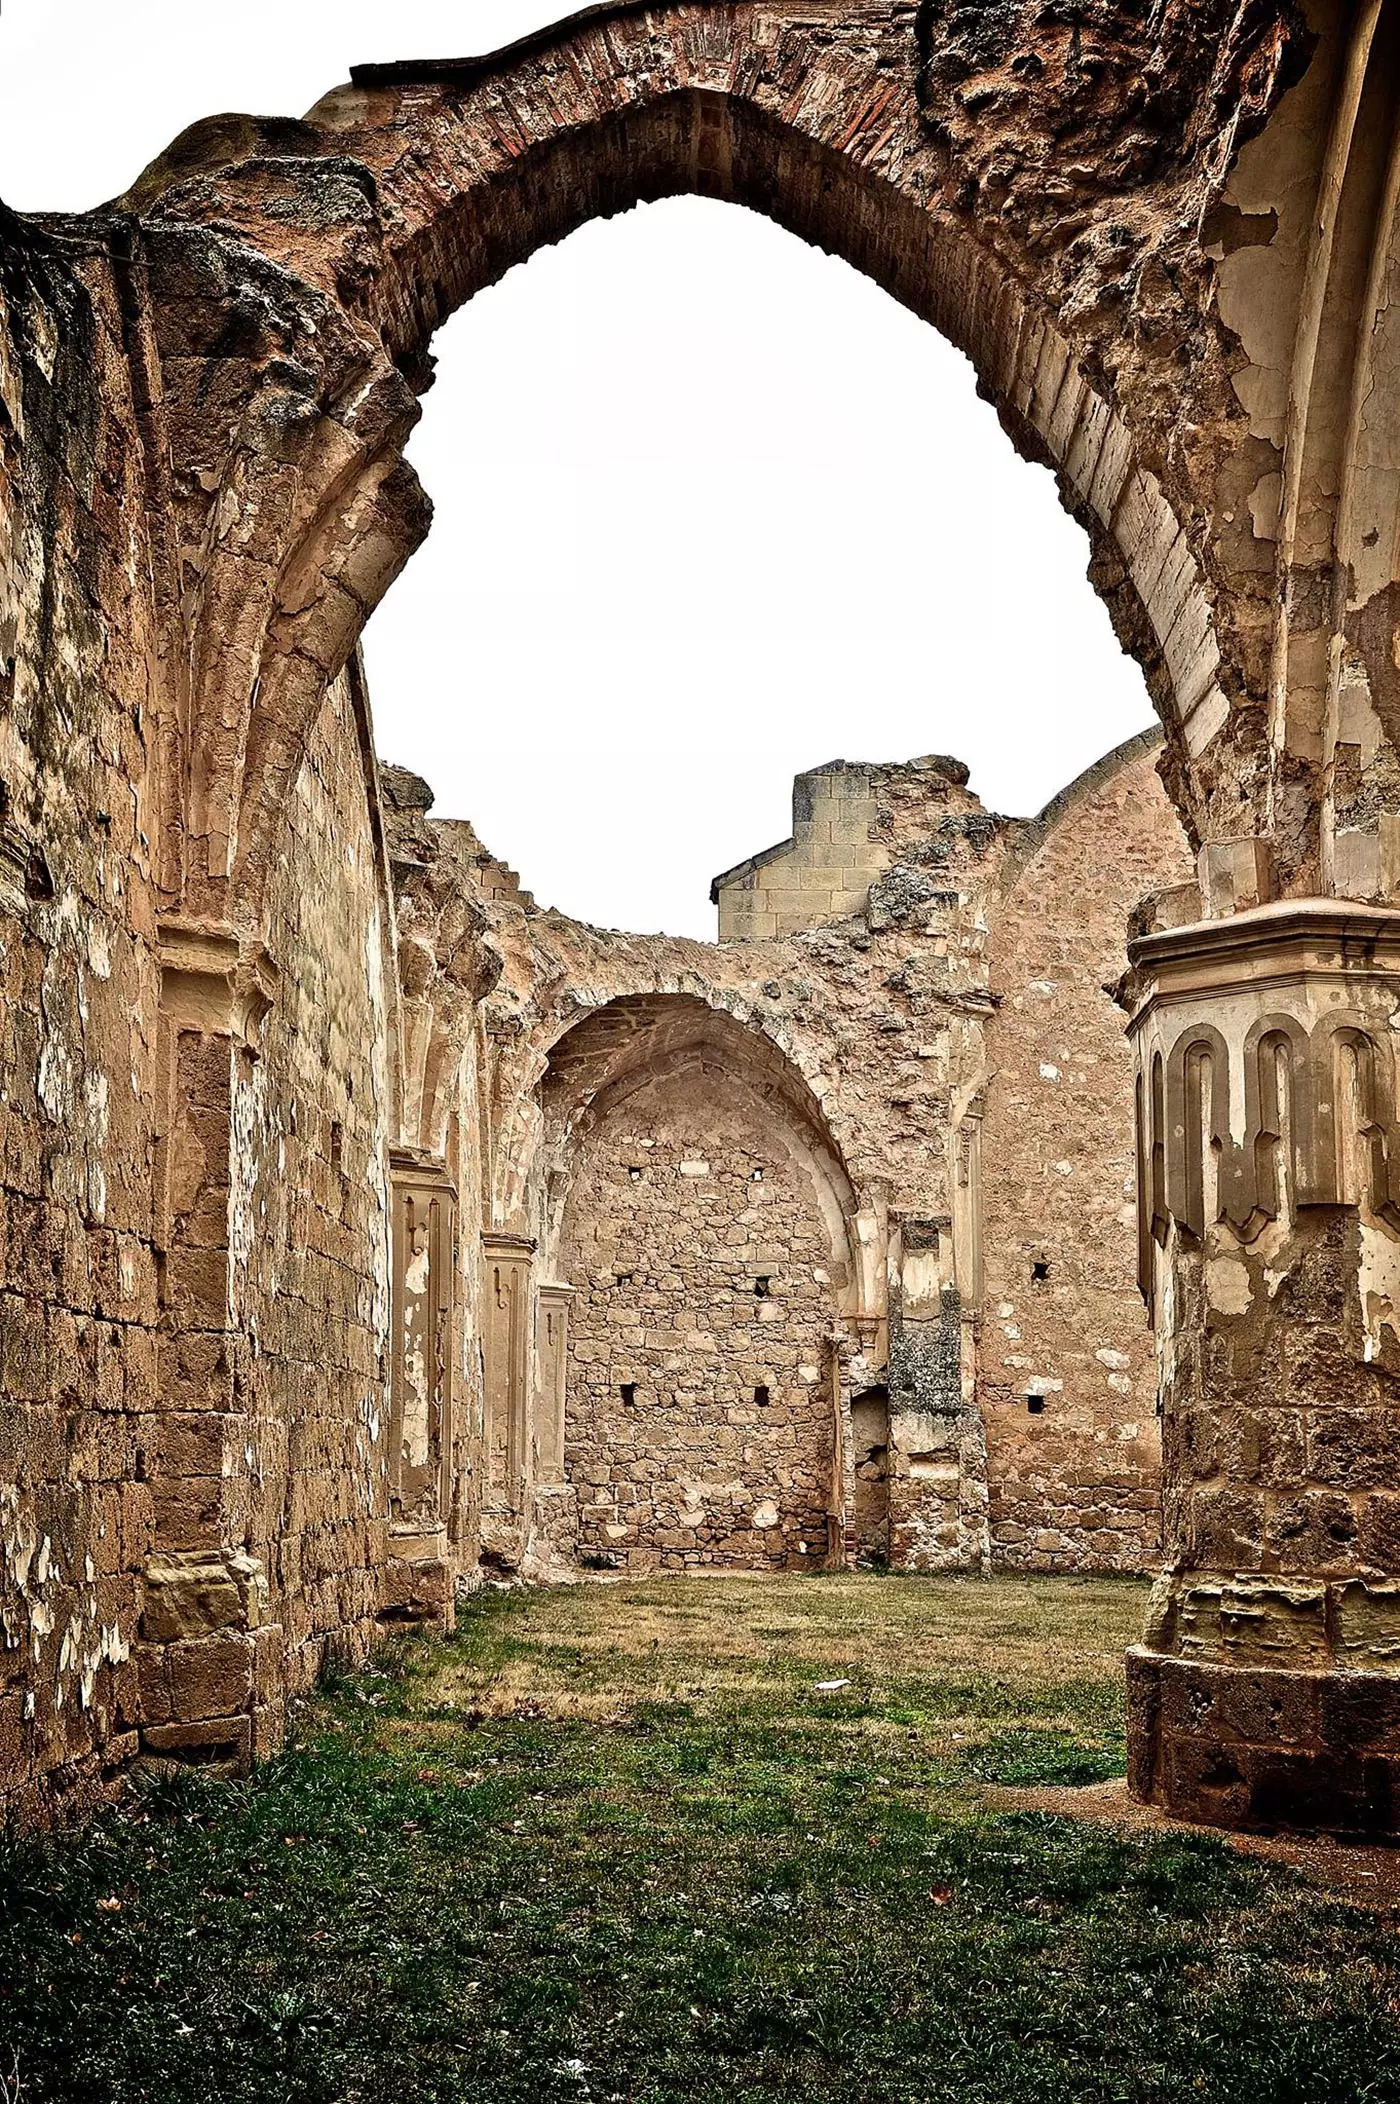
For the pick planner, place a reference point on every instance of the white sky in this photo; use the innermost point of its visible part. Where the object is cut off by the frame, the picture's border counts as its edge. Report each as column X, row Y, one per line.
column 711, row 508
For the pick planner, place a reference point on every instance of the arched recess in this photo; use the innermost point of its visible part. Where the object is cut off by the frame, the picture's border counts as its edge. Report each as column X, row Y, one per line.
column 697, row 1216
column 638, row 1041
column 296, row 272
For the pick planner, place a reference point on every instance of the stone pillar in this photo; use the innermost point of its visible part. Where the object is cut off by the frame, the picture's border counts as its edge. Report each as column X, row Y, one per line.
column 209, row 1655
column 1267, row 1686
column 938, row 1444
column 418, row 1581
column 507, row 1347
column 553, row 1513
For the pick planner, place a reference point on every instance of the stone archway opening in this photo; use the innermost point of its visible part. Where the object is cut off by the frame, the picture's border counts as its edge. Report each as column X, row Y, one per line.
column 683, row 570
column 701, row 1225
column 406, row 192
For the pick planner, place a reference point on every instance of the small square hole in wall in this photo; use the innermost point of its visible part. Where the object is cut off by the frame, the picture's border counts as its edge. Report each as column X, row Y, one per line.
column 628, row 1392
column 1035, row 1404
column 635, row 1174
column 756, row 1176
column 762, row 1287
column 1040, row 1271
column 761, row 1396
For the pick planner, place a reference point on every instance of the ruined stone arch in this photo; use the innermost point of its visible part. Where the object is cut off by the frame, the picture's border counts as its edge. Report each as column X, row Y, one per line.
column 633, row 1042
column 697, row 1008
column 294, row 272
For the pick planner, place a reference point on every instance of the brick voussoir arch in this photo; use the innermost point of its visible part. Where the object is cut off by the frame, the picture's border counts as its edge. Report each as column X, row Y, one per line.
column 406, row 192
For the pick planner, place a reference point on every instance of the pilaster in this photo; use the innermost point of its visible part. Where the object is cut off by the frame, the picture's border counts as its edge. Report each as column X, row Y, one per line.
column 210, row 1652
column 418, row 1581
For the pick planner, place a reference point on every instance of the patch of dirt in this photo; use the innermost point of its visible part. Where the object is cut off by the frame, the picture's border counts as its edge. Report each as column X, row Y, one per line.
column 1364, row 1872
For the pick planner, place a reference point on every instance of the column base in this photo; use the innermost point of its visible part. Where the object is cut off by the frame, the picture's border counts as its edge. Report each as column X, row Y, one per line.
column 416, row 1585
column 1256, row 1747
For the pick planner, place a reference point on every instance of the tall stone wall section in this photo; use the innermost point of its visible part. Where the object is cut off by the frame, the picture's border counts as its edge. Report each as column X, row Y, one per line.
column 79, row 995
column 313, row 1125
column 271, row 1473
column 699, row 1418
column 193, row 1243
column 1067, row 1376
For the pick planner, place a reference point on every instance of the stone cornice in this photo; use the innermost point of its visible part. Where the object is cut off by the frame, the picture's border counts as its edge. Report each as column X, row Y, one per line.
column 1272, row 945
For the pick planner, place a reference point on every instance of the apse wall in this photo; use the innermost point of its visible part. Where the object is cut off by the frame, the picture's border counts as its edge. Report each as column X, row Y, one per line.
column 699, row 1425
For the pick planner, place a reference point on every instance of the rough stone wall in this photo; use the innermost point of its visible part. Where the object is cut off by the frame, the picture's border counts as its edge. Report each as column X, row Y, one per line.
column 919, row 1054
column 699, row 1422
column 79, row 994
column 310, row 1207
column 143, row 1172
column 1078, row 1477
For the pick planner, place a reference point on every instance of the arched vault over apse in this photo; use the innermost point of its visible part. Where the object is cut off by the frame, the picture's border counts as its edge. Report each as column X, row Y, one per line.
column 648, row 1040
column 1080, row 206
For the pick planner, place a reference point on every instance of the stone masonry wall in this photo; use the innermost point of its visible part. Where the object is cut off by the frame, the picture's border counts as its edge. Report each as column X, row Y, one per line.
column 311, row 1208
column 917, row 1028
column 79, row 994
column 1076, row 1479
column 699, row 1413
column 823, row 873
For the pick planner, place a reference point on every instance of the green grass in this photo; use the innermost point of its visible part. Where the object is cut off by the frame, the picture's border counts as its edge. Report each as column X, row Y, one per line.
column 613, row 1843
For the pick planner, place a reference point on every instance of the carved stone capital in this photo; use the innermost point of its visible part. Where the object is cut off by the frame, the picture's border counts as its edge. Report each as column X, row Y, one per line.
column 214, row 982
column 1266, row 1070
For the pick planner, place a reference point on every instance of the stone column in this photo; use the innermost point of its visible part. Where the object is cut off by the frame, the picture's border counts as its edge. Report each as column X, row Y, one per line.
column 418, row 1582
column 209, row 1655
column 553, row 1513
column 1267, row 1686
column 938, row 1444
column 507, row 1347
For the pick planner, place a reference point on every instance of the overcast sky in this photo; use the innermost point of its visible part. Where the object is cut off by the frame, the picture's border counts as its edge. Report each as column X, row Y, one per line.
column 711, row 508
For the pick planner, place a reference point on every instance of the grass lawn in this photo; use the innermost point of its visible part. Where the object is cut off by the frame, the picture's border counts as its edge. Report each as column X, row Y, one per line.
column 616, row 1842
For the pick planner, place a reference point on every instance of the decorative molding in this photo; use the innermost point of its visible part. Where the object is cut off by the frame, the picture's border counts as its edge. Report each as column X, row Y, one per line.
column 213, row 982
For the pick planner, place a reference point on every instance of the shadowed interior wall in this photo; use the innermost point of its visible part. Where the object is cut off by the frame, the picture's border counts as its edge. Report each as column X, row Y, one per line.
column 699, row 1416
